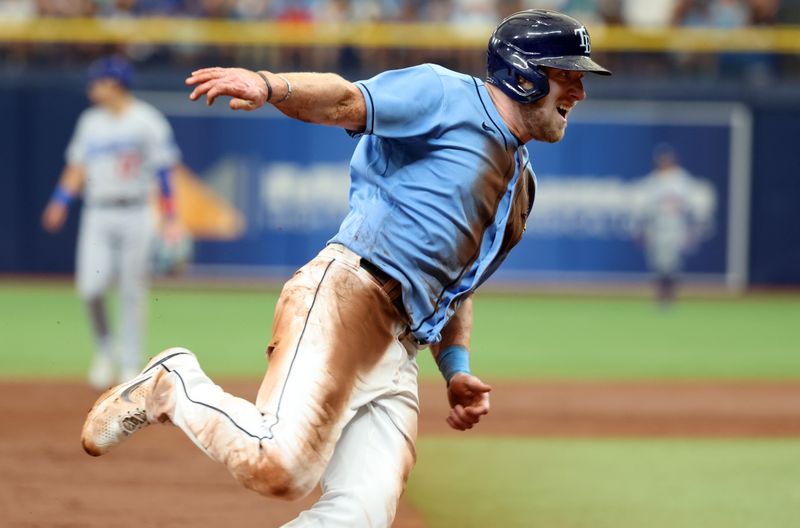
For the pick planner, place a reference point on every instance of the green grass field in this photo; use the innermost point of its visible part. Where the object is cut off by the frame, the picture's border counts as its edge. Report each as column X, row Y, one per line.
column 45, row 333
column 476, row 481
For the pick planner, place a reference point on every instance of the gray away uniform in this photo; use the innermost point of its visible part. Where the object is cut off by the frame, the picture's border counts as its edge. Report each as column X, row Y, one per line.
column 674, row 210
column 121, row 156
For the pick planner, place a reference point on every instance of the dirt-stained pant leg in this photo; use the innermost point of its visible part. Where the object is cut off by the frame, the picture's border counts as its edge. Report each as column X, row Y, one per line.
column 373, row 458
column 334, row 350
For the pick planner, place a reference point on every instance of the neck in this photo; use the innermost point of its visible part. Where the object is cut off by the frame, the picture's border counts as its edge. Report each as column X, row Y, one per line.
column 509, row 112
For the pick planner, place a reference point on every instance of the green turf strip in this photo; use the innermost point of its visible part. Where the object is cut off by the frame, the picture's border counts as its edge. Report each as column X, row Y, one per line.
column 44, row 332
column 631, row 338
column 569, row 483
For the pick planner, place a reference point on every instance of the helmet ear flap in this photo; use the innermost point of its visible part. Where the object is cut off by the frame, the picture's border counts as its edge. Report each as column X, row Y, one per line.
column 508, row 69
column 536, row 83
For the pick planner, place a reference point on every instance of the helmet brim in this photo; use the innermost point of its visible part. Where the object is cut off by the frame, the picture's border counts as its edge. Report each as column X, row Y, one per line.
column 579, row 63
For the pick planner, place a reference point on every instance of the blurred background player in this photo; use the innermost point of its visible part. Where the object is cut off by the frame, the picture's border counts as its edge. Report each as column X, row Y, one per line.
column 121, row 150
column 674, row 214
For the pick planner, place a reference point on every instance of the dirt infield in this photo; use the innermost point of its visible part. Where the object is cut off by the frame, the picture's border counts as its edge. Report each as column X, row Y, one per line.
column 161, row 480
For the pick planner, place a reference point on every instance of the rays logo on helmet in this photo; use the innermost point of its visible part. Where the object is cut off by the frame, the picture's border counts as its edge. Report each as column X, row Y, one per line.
column 584, row 36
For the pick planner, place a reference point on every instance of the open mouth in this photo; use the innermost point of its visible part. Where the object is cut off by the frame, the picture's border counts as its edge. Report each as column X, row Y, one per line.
column 563, row 110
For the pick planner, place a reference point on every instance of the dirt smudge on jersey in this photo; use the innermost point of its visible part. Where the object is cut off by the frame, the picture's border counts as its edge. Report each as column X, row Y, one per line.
column 518, row 216
column 487, row 192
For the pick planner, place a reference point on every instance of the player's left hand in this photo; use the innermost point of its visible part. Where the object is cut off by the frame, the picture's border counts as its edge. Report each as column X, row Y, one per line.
column 247, row 88
column 469, row 400
column 54, row 216
column 172, row 231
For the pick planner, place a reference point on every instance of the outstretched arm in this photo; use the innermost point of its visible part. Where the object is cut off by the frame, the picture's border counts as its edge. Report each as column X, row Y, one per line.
column 321, row 98
column 468, row 395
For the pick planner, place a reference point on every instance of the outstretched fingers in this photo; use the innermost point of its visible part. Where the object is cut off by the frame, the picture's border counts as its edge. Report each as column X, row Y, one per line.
column 211, row 82
column 204, row 75
column 236, row 83
column 217, row 89
column 201, row 89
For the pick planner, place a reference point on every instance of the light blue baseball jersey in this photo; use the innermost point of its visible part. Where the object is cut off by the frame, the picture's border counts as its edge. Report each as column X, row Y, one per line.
column 440, row 189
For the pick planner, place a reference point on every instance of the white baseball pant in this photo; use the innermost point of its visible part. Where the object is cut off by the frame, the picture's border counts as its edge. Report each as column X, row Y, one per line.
column 338, row 404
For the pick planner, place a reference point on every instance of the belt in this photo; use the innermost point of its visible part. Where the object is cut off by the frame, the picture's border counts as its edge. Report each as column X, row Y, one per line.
column 389, row 284
column 118, row 202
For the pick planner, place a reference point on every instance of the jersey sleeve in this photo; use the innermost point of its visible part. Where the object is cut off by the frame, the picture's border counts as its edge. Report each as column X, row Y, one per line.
column 77, row 147
column 403, row 103
column 161, row 148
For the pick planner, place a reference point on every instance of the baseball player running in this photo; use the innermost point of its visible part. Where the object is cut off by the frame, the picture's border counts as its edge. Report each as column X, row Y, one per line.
column 441, row 188
column 121, row 148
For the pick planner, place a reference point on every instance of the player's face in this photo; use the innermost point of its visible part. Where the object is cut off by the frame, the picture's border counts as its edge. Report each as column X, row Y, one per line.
column 103, row 92
column 546, row 119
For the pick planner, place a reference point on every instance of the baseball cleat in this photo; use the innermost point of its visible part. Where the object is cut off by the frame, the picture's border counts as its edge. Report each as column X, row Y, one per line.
column 120, row 411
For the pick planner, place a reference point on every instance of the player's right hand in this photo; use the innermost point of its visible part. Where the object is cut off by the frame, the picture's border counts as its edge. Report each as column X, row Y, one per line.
column 54, row 216
column 469, row 400
column 245, row 87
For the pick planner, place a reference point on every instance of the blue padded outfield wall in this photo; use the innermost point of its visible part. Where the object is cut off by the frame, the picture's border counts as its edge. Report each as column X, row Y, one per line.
column 289, row 180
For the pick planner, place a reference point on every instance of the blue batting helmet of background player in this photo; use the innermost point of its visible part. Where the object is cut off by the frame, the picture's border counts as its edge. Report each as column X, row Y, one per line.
column 113, row 67
column 527, row 40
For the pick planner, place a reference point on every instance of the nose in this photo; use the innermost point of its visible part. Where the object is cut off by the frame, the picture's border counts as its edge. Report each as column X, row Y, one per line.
column 577, row 91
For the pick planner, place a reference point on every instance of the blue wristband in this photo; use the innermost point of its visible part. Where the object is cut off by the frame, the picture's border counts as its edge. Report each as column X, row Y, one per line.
column 166, row 191
column 452, row 360
column 62, row 196
column 165, row 181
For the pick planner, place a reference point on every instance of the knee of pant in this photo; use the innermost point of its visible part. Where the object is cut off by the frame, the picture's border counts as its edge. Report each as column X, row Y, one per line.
column 272, row 478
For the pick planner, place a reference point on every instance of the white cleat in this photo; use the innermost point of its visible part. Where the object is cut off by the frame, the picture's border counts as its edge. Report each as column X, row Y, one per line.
column 101, row 372
column 120, row 411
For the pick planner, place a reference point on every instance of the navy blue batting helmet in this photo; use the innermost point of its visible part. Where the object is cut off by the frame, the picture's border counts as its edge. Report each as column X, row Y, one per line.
column 113, row 67
column 527, row 40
